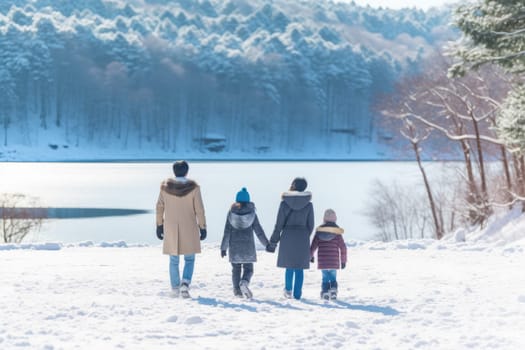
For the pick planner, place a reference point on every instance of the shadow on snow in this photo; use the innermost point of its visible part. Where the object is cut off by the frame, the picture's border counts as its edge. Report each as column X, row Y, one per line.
column 385, row 310
column 338, row 304
column 276, row 304
column 215, row 302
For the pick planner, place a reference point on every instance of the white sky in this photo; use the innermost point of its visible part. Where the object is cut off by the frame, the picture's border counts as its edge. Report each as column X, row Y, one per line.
column 397, row 4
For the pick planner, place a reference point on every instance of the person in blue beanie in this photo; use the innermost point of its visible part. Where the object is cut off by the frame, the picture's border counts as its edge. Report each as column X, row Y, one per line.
column 238, row 241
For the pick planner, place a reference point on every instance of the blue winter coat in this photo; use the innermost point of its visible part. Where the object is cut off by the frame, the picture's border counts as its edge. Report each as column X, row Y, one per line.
column 294, row 225
column 241, row 223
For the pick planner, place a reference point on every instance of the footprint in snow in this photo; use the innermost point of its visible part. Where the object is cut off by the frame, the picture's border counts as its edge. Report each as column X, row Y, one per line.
column 521, row 298
column 172, row 319
column 194, row 320
column 350, row 324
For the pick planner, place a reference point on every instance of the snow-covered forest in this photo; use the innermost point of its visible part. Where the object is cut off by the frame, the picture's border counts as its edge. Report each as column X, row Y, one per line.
column 215, row 78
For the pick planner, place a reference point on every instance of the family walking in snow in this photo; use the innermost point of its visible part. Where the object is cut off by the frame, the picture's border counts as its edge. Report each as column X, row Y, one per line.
column 181, row 224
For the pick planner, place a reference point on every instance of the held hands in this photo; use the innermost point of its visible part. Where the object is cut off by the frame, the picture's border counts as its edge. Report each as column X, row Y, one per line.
column 312, row 259
column 270, row 248
column 160, row 232
column 223, row 253
column 343, row 265
column 203, row 234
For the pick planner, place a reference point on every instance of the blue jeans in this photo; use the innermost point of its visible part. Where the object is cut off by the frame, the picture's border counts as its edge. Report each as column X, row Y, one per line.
column 296, row 285
column 329, row 280
column 187, row 273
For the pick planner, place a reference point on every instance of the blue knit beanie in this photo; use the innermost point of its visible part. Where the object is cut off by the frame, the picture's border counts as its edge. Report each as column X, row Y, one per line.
column 243, row 196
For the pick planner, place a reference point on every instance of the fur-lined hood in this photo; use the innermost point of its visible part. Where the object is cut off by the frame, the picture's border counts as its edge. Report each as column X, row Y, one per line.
column 297, row 200
column 328, row 231
column 178, row 188
column 241, row 217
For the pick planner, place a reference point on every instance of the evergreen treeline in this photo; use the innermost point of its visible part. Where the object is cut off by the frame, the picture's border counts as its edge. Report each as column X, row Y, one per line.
column 240, row 77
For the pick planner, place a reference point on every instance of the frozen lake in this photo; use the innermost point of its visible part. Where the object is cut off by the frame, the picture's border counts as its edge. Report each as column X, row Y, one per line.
column 343, row 186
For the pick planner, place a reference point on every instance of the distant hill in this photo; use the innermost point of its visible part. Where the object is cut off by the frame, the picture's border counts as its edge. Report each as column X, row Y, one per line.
column 259, row 78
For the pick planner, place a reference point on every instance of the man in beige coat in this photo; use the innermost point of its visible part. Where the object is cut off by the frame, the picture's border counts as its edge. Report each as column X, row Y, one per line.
column 180, row 223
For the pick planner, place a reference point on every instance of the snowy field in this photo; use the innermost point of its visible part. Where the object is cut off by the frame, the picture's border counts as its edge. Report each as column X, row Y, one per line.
column 404, row 295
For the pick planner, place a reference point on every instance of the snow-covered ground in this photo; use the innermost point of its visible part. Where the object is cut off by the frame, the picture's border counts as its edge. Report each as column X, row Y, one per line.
column 400, row 295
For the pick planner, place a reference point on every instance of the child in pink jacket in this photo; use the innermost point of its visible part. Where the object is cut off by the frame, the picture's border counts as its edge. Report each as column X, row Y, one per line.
column 331, row 255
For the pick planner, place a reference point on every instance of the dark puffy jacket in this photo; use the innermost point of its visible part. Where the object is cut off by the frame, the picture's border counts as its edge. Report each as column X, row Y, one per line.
column 238, row 240
column 332, row 248
column 294, row 225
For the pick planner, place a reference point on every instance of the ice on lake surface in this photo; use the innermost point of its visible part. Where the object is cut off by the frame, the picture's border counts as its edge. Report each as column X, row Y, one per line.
column 343, row 186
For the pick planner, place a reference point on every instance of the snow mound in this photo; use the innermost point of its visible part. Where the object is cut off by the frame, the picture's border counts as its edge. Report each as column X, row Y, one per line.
column 60, row 245
column 500, row 231
column 120, row 244
column 34, row 246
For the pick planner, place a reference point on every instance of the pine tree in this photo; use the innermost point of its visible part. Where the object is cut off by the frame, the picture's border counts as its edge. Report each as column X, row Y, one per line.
column 494, row 33
column 511, row 123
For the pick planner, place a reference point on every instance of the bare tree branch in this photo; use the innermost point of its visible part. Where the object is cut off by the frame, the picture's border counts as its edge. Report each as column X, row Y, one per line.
column 15, row 222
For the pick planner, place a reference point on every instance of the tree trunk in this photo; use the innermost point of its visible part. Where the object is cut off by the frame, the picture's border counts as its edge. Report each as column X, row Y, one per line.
column 433, row 208
column 521, row 162
column 485, row 209
column 472, row 194
column 508, row 178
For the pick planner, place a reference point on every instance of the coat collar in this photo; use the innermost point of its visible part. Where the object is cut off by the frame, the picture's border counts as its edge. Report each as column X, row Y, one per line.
column 297, row 200
column 178, row 188
column 330, row 229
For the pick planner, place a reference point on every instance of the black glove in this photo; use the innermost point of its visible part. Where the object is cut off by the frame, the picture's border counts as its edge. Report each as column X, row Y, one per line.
column 160, row 232
column 343, row 265
column 312, row 259
column 270, row 248
column 223, row 253
column 203, row 234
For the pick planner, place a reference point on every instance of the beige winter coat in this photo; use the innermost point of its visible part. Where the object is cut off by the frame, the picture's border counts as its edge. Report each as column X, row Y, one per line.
column 180, row 210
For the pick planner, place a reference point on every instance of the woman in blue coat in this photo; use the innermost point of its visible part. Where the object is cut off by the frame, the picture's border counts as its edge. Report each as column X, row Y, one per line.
column 294, row 225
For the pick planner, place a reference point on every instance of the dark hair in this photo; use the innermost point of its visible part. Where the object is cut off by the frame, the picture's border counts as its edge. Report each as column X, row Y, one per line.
column 239, row 204
column 299, row 184
column 180, row 168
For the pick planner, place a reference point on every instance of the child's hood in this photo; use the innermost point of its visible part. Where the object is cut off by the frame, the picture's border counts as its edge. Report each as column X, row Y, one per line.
column 328, row 231
column 242, row 217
